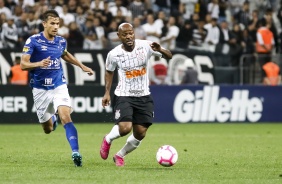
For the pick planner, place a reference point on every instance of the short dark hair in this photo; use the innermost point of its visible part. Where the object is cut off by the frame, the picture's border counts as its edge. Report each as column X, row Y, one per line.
column 49, row 13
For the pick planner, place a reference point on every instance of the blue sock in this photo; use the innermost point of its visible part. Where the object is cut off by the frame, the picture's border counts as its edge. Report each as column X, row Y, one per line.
column 71, row 134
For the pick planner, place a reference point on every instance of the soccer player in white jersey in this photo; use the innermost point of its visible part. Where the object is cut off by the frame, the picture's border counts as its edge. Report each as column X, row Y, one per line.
column 133, row 105
column 42, row 55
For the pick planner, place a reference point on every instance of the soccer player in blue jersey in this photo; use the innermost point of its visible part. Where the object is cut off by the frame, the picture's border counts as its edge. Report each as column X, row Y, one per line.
column 41, row 56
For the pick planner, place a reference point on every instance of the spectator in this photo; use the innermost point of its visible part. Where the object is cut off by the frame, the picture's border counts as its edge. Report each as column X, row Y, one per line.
column 199, row 34
column 152, row 30
column 23, row 29
column 222, row 10
column 253, row 25
column 184, row 36
column 201, row 9
column 235, row 6
column 75, row 38
column 279, row 13
column 90, row 35
column 63, row 29
column 80, row 17
column 123, row 10
column 97, row 5
column 168, row 40
column 53, row 4
column 190, row 76
column 162, row 5
column 107, row 16
column 138, row 29
column 161, row 20
column 264, row 43
column 68, row 17
column 248, row 64
column 33, row 23
column 72, row 4
column 213, row 8
column 4, row 9
column 9, row 34
column 243, row 15
column 213, row 33
column 137, row 8
column 187, row 8
column 271, row 74
column 225, row 33
column 235, row 45
column 111, row 35
column 100, row 32
column 17, row 75
column 119, row 18
column 98, row 9
column 268, row 18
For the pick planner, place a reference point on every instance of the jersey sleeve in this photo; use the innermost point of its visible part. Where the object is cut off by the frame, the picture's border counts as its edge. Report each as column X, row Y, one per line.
column 110, row 63
column 65, row 45
column 28, row 46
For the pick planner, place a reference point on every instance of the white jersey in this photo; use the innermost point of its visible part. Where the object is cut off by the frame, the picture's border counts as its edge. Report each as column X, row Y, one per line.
column 132, row 68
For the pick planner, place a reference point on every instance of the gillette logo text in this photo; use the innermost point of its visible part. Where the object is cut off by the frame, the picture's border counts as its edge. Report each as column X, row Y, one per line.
column 207, row 106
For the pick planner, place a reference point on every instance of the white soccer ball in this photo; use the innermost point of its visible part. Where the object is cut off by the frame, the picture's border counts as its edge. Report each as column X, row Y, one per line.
column 167, row 155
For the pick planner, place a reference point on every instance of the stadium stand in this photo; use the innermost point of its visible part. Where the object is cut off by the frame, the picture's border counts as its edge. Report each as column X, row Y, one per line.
column 234, row 22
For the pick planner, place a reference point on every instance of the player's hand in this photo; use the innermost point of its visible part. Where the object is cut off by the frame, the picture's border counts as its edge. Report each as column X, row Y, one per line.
column 88, row 70
column 155, row 46
column 106, row 100
column 45, row 62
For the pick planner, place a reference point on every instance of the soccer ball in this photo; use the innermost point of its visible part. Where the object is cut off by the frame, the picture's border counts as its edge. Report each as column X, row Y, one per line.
column 167, row 155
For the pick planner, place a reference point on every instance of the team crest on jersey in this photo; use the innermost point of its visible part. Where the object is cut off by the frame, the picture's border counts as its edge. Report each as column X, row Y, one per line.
column 25, row 49
column 117, row 114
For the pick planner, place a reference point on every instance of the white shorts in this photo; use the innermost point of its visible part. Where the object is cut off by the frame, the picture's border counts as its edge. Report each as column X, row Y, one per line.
column 47, row 102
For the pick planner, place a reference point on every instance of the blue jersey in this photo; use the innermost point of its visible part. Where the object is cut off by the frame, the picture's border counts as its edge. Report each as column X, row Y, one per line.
column 39, row 48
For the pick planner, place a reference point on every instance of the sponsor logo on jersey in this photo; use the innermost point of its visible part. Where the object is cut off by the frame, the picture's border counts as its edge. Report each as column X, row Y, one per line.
column 25, row 49
column 136, row 91
column 135, row 73
column 206, row 105
column 43, row 47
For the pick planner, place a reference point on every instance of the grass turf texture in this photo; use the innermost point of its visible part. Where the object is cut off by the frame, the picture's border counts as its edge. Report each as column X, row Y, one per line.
column 208, row 153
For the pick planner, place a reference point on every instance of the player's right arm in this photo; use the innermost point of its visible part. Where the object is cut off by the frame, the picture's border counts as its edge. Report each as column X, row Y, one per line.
column 110, row 68
column 108, row 84
column 27, row 65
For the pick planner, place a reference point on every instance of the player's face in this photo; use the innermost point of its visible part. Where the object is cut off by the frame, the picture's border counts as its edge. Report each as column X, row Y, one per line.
column 127, row 36
column 51, row 26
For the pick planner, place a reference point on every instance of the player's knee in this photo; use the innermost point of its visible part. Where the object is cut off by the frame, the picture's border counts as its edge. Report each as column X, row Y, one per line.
column 139, row 135
column 65, row 118
column 124, row 130
column 47, row 130
column 125, row 126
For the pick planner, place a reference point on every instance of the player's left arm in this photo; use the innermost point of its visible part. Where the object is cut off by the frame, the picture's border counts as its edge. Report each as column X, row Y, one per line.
column 71, row 59
column 165, row 52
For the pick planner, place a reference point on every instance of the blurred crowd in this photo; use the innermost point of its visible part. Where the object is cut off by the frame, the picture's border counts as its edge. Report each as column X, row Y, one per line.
column 175, row 24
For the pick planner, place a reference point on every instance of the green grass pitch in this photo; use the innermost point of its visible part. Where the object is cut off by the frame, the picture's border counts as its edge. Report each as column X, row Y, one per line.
column 210, row 153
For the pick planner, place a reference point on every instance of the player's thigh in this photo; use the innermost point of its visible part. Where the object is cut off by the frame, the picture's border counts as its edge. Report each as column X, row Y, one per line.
column 62, row 103
column 123, row 110
column 43, row 102
column 144, row 111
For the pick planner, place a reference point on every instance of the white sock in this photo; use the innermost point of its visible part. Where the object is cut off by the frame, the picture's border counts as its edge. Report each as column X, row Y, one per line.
column 131, row 144
column 114, row 134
